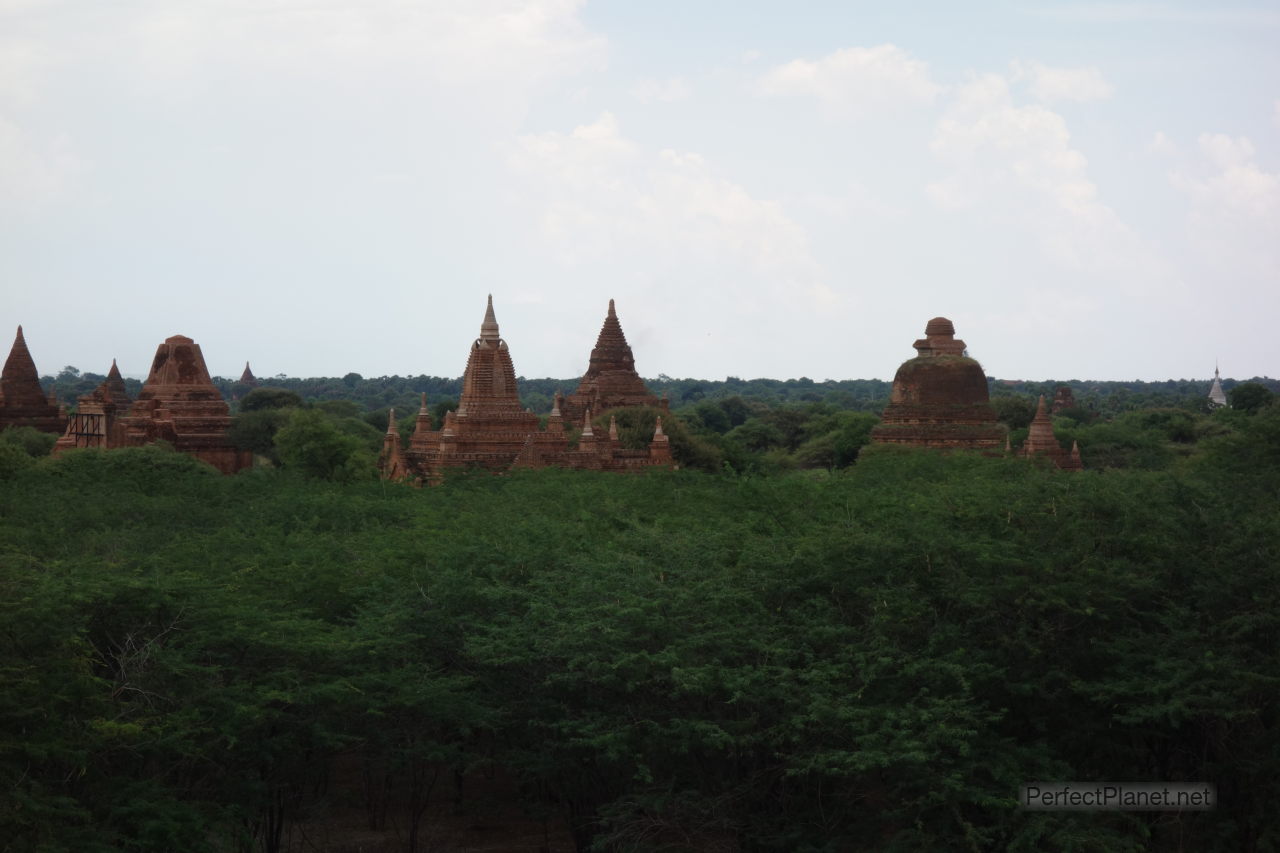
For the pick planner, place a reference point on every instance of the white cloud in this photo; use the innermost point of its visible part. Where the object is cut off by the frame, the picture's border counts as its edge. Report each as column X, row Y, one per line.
column 1275, row 115
column 513, row 44
column 1161, row 145
column 666, row 91
column 33, row 171
column 1063, row 84
column 1234, row 213
column 1017, row 165
column 855, row 82
column 599, row 197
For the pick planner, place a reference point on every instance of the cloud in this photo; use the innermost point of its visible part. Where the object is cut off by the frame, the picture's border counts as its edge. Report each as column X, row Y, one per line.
column 1234, row 213
column 35, row 172
column 1063, row 84
column 598, row 198
column 512, row 44
column 666, row 91
column 1161, row 145
column 854, row 82
column 1018, row 166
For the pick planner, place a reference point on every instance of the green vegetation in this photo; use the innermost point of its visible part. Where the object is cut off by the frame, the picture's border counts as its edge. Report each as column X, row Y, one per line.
column 874, row 659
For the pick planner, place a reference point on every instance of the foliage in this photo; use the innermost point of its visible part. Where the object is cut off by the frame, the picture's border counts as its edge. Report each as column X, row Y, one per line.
column 30, row 440
column 314, row 445
column 1250, row 397
column 269, row 398
column 876, row 658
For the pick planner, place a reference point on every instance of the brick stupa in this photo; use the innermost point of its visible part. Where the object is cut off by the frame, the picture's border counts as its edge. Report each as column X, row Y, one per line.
column 179, row 404
column 611, row 380
column 940, row 398
column 490, row 430
column 22, row 400
column 1063, row 398
column 1042, row 442
column 113, row 388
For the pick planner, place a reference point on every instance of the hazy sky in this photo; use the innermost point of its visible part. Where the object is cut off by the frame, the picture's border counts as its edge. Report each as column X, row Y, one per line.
column 1088, row 190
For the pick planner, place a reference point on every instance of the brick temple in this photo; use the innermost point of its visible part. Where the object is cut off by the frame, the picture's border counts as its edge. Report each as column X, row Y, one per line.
column 1042, row 442
column 940, row 398
column 22, row 399
column 491, row 430
column 178, row 404
column 611, row 380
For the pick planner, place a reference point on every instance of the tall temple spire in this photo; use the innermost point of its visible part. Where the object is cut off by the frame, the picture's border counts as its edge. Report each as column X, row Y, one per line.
column 391, row 421
column 489, row 328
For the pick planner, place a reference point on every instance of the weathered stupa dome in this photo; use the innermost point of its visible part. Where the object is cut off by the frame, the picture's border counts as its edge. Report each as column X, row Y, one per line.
column 940, row 397
column 940, row 326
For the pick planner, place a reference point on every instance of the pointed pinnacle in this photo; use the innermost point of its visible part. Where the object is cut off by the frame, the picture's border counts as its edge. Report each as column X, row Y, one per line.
column 612, row 313
column 422, row 410
column 489, row 328
column 391, row 421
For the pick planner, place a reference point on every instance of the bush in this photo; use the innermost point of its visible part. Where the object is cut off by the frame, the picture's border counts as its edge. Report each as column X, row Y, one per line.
column 29, row 439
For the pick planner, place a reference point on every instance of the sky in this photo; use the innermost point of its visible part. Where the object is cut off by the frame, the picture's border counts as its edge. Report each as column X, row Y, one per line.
column 767, row 189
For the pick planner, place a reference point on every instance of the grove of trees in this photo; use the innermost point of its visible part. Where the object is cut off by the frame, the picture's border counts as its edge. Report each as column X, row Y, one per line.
column 759, row 658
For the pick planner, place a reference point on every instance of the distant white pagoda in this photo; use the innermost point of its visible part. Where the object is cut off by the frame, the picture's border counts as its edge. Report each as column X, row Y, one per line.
column 1216, row 398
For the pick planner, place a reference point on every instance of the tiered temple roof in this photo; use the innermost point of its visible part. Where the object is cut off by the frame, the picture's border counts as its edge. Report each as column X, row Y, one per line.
column 22, row 399
column 490, row 430
column 1042, row 442
column 611, row 380
column 940, row 398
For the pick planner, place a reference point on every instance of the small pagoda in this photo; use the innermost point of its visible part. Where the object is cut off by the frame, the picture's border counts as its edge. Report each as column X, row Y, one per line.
column 22, row 399
column 1042, row 442
column 940, row 398
column 1217, row 399
column 96, row 421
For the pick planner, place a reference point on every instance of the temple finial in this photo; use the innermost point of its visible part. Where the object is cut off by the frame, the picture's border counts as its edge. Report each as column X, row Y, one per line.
column 422, row 410
column 613, row 427
column 587, row 432
column 489, row 328
column 657, row 428
column 612, row 313
column 391, row 421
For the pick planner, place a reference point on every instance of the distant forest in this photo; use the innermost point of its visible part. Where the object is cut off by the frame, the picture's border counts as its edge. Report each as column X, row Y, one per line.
column 857, row 395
